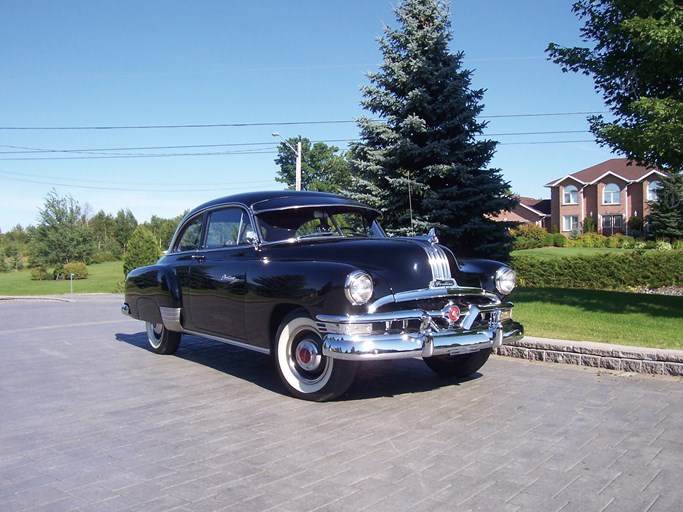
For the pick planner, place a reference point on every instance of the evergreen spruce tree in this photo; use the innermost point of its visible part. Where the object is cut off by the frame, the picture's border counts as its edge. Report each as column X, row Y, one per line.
column 422, row 165
column 666, row 213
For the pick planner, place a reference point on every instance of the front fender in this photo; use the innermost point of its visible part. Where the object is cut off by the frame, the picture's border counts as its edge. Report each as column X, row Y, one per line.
column 480, row 273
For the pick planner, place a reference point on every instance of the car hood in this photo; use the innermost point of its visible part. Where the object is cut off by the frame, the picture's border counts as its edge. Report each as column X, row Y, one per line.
column 404, row 263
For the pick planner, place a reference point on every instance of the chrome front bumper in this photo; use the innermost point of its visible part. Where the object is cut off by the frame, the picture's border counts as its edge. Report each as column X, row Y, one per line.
column 343, row 337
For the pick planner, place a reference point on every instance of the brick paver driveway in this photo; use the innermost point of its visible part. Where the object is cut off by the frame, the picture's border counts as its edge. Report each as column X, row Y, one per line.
column 91, row 420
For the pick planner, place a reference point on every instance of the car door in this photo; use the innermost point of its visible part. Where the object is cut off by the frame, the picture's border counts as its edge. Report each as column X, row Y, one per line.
column 217, row 280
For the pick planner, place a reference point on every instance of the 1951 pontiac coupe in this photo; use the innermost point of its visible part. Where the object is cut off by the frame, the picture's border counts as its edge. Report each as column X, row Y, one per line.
column 312, row 279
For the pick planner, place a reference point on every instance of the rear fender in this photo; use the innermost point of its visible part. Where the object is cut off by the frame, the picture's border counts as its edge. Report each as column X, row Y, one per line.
column 153, row 293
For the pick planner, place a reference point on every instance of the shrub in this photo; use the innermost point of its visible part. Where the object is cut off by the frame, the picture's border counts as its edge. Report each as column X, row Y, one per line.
column 589, row 225
column 103, row 257
column 559, row 240
column 590, row 240
column 58, row 272
column 620, row 241
column 529, row 236
column 39, row 273
column 607, row 271
column 77, row 268
column 143, row 249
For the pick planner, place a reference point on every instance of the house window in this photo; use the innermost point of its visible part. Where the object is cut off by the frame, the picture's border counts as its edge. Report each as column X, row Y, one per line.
column 611, row 224
column 653, row 190
column 571, row 195
column 611, row 194
column 570, row 223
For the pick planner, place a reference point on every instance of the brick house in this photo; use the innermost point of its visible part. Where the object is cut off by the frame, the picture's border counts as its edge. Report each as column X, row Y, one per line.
column 610, row 193
column 528, row 211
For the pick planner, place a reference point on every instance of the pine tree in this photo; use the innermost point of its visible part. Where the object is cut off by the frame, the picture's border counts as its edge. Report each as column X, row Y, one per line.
column 423, row 164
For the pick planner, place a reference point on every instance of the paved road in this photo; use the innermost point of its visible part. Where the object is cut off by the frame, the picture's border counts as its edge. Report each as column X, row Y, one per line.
column 93, row 421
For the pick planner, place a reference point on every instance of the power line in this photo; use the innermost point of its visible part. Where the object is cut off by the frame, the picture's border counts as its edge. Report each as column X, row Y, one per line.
column 30, row 150
column 174, row 126
column 276, row 123
column 110, row 153
column 58, row 182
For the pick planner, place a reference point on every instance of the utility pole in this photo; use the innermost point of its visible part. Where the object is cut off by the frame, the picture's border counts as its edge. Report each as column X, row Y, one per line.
column 297, row 152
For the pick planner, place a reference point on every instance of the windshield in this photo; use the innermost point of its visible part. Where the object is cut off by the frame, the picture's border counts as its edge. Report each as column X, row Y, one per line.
column 299, row 223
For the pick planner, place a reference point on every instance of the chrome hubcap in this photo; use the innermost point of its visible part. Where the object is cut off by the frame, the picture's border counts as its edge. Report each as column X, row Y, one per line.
column 308, row 357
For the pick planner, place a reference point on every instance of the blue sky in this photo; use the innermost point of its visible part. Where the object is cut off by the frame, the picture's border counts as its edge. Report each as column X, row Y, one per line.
column 254, row 67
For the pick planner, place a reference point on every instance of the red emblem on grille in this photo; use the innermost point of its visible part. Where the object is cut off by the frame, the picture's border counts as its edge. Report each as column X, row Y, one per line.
column 454, row 313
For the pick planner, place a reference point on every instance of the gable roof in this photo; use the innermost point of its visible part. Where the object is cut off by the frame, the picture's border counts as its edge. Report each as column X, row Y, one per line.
column 540, row 207
column 619, row 167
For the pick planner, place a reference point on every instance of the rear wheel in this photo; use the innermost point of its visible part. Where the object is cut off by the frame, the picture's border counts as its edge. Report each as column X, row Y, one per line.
column 161, row 339
column 303, row 368
column 461, row 365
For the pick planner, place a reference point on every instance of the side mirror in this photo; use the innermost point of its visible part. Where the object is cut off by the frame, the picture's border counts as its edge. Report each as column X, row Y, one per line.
column 252, row 238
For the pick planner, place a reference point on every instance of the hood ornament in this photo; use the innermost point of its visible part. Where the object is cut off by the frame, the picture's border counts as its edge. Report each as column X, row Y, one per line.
column 431, row 236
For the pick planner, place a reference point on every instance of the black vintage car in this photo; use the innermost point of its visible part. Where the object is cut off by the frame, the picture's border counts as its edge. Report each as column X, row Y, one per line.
column 312, row 279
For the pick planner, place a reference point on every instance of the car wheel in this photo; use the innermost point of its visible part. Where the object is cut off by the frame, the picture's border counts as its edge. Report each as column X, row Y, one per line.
column 161, row 339
column 458, row 366
column 303, row 368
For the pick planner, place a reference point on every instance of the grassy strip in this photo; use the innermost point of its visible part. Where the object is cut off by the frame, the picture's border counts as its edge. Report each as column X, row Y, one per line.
column 606, row 316
column 102, row 278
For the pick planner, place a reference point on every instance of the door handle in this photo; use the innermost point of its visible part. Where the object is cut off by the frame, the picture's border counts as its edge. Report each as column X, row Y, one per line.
column 199, row 258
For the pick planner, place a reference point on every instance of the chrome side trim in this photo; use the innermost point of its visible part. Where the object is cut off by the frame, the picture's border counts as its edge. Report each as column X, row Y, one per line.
column 228, row 341
column 170, row 317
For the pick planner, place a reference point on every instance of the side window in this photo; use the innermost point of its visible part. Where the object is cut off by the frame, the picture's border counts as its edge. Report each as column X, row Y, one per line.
column 190, row 239
column 227, row 227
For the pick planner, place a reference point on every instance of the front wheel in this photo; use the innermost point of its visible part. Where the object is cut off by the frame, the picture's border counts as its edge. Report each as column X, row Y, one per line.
column 460, row 366
column 161, row 339
column 303, row 368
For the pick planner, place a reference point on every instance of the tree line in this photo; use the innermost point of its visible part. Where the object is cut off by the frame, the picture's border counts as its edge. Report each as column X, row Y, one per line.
column 67, row 232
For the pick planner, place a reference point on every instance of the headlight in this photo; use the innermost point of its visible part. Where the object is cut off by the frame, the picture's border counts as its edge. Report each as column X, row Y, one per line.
column 505, row 280
column 358, row 287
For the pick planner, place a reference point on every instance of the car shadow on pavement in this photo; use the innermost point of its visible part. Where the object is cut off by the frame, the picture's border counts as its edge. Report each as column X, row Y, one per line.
column 373, row 380
column 398, row 377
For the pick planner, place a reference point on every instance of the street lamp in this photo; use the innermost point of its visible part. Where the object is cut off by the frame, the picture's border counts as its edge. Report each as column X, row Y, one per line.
column 297, row 152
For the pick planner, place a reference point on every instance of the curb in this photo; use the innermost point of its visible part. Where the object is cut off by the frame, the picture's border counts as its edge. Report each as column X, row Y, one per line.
column 597, row 355
column 35, row 298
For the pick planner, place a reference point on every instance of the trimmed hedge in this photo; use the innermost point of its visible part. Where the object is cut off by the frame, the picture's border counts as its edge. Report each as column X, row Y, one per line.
column 608, row 271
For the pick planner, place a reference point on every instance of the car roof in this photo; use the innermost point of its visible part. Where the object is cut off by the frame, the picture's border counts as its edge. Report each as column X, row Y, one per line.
column 261, row 202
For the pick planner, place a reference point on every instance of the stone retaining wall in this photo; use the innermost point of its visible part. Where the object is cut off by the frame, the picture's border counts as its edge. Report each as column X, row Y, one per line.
column 598, row 355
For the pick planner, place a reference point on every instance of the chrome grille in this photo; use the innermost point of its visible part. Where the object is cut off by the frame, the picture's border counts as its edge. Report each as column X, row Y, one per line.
column 438, row 261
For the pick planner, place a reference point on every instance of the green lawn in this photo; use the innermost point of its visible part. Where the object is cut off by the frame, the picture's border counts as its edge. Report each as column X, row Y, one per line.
column 563, row 252
column 591, row 315
column 102, row 278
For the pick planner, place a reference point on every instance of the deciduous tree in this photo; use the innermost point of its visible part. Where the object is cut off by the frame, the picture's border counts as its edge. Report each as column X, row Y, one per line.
column 634, row 55
column 63, row 233
column 323, row 167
